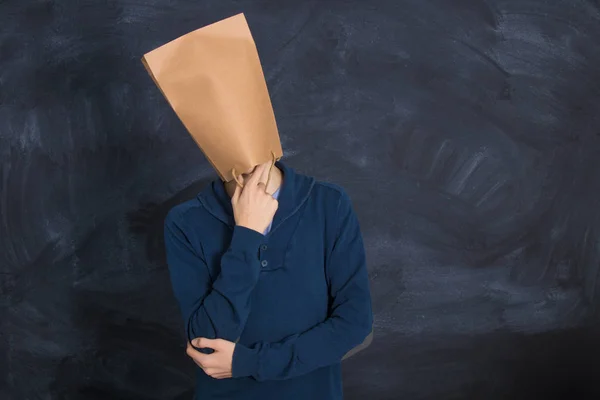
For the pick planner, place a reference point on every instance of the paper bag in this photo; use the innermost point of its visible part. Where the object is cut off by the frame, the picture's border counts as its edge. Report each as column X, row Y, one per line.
column 213, row 80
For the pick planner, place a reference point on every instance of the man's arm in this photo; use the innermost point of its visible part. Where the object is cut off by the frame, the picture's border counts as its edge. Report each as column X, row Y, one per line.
column 366, row 343
column 349, row 323
column 210, row 309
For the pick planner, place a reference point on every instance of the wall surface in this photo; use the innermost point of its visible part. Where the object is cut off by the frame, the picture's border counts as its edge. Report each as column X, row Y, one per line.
column 467, row 134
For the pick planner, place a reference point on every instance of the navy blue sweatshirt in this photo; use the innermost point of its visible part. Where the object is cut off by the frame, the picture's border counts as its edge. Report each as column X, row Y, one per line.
column 296, row 299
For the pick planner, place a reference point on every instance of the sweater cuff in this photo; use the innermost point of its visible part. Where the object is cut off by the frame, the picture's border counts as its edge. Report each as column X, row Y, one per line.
column 245, row 362
column 246, row 240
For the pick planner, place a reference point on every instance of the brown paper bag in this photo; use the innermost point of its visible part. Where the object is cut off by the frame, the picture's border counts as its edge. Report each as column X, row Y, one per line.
column 213, row 80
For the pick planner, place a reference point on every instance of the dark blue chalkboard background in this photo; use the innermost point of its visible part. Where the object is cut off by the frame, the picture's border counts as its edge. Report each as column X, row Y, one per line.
column 466, row 132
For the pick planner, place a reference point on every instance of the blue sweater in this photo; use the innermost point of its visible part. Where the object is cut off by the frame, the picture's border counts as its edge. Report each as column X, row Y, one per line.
column 295, row 299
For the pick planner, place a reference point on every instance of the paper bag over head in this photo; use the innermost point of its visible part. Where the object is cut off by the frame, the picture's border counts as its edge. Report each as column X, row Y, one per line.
column 213, row 80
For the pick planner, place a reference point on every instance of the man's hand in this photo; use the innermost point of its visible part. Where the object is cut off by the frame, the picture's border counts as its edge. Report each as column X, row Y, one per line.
column 218, row 364
column 253, row 207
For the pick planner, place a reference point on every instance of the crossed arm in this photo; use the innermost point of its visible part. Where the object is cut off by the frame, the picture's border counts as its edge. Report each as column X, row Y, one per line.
column 221, row 309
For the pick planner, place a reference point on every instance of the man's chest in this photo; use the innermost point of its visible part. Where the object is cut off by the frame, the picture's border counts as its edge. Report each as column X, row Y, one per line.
column 292, row 291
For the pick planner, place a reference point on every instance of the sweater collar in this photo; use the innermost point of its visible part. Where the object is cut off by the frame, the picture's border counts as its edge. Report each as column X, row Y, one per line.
column 293, row 192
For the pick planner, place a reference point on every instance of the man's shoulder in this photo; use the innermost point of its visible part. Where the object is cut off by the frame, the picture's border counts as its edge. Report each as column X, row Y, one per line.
column 331, row 191
column 188, row 210
column 333, row 200
column 329, row 186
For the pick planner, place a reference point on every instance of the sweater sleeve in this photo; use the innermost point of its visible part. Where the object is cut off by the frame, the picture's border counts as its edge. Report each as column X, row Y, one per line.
column 211, row 308
column 348, row 324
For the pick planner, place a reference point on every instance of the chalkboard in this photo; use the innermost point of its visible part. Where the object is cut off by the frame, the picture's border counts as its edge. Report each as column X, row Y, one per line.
column 467, row 134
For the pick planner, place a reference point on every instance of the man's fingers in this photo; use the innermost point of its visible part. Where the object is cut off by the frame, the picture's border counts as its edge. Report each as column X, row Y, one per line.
column 204, row 361
column 212, row 364
column 265, row 173
column 221, row 376
column 197, row 357
column 216, row 373
column 203, row 343
column 237, row 192
column 257, row 174
column 190, row 350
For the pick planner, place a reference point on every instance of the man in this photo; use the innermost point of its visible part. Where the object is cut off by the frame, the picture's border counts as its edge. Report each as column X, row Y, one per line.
column 272, row 283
